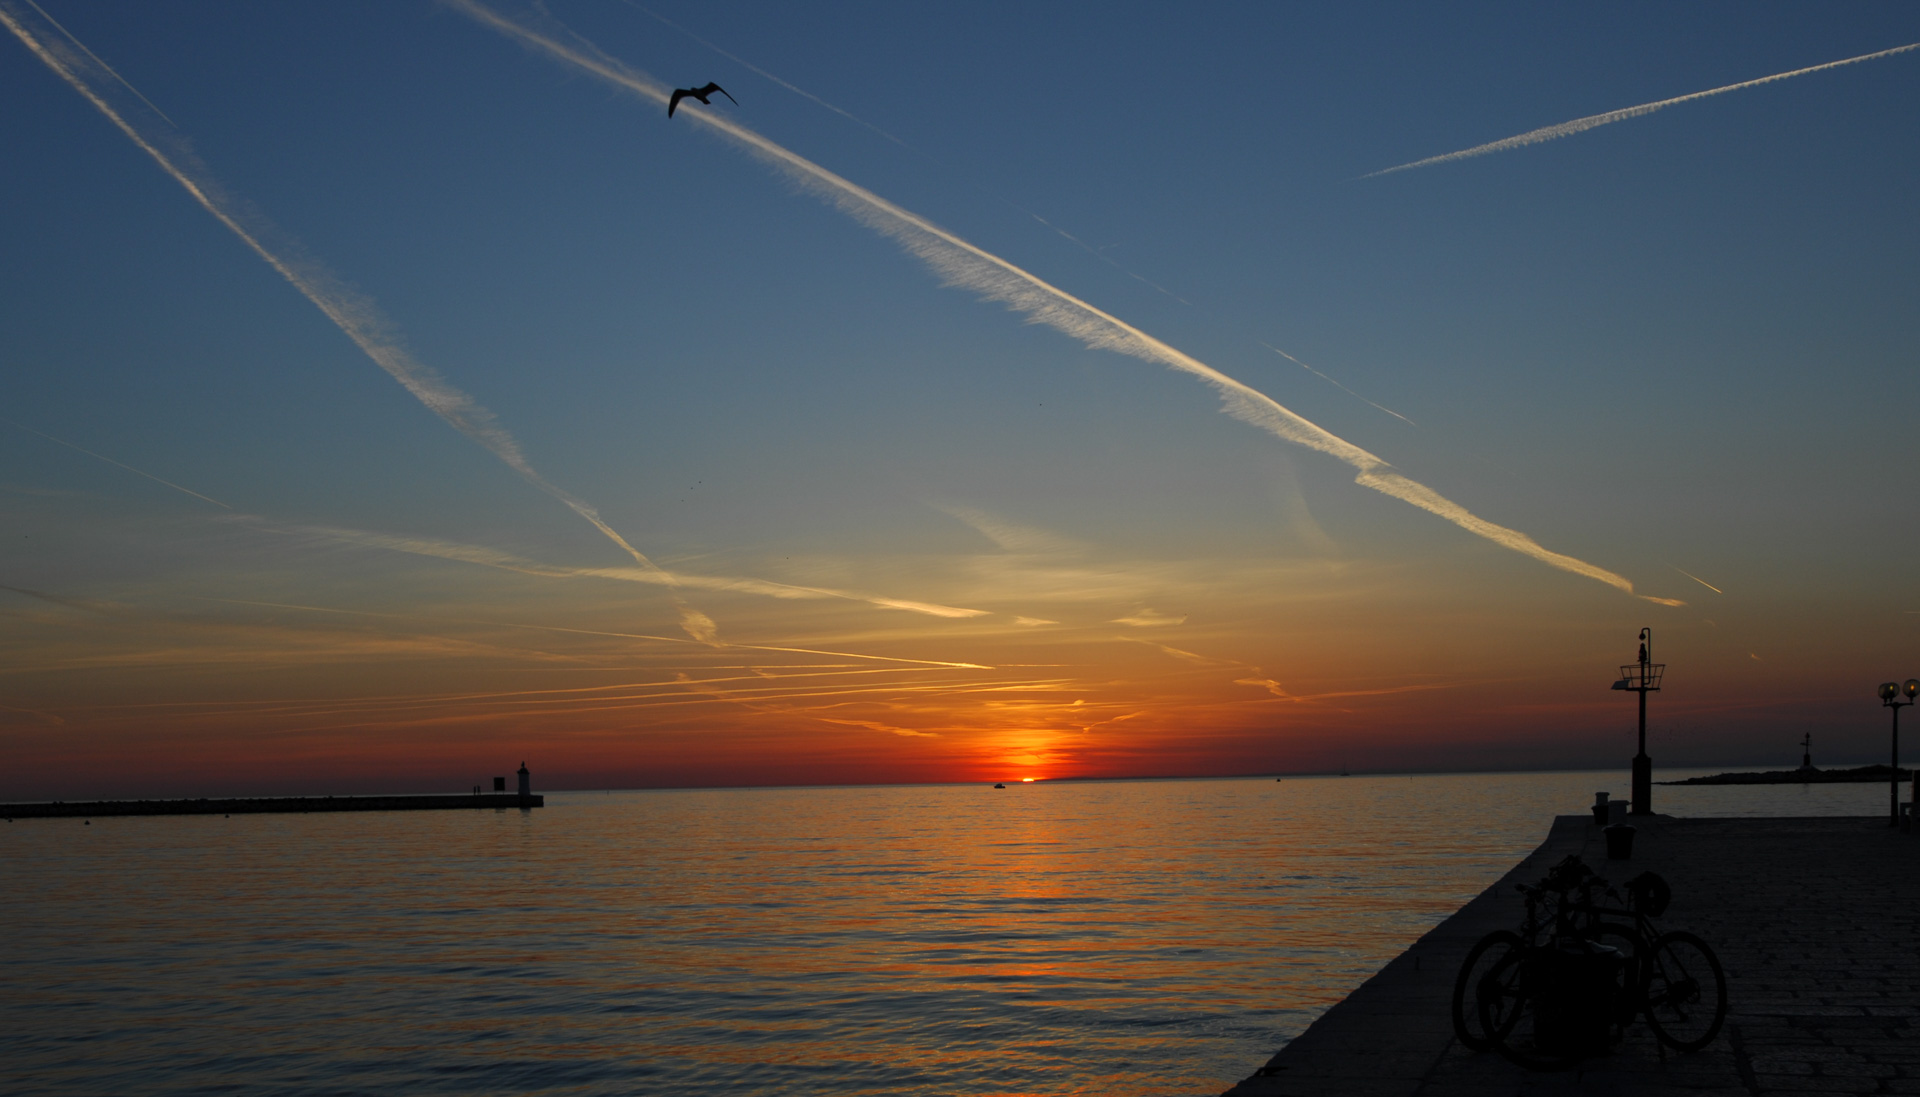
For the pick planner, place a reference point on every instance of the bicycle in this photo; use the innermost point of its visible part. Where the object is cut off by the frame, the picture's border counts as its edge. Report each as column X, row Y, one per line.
column 1571, row 981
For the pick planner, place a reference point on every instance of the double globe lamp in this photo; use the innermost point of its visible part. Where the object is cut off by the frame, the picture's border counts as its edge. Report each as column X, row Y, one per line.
column 1890, row 696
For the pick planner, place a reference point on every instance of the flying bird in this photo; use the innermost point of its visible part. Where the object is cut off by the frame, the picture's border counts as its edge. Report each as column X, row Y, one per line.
column 698, row 93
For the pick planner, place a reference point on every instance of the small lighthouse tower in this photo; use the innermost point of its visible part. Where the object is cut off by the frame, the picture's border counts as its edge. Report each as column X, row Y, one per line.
column 526, row 782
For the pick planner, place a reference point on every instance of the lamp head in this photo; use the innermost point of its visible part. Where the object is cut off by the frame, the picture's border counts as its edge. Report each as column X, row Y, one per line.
column 1910, row 687
column 1889, row 690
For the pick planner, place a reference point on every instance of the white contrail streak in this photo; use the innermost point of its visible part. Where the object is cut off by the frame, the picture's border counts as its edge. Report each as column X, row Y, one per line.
column 758, row 71
column 114, row 463
column 1338, row 385
column 108, row 69
column 697, row 624
column 1696, row 578
column 1581, row 125
column 963, row 265
column 352, row 312
column 1097, row 253
column 631, row 636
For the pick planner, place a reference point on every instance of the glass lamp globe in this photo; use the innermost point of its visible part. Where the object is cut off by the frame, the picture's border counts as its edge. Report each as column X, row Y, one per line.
column 1889, row 690
column 1911, row 687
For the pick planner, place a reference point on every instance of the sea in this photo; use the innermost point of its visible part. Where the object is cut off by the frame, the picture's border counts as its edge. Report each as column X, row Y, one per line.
column 1148, row 937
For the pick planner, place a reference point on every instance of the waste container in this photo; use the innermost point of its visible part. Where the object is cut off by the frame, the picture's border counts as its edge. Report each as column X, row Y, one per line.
column 1579, row 982
column 1619, row 842
column 1600, row 809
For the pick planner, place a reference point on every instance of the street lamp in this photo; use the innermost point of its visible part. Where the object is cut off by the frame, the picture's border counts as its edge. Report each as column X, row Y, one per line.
column 1644, row 677
column 1890, row 693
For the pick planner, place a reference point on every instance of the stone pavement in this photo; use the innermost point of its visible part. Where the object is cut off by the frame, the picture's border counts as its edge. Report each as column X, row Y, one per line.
column 1817, row 922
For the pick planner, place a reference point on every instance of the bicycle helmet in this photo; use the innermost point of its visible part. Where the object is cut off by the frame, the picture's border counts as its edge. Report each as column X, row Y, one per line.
column 1649, row 894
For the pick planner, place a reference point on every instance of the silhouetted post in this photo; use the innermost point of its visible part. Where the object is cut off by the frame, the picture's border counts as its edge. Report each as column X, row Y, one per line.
column 1890, row 696
column 1643, row 678
column 526, row 783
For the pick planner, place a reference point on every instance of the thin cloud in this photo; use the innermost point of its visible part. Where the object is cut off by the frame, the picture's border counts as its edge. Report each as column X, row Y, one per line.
column 351, row 311
column 1591, row 121
column 1150, row 618
column 963, row 265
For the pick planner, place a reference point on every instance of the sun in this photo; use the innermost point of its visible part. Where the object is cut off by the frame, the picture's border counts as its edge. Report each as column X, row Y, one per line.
column 1026, row 780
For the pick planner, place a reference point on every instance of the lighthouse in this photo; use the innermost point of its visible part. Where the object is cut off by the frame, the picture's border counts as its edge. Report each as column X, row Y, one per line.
column 526, row 782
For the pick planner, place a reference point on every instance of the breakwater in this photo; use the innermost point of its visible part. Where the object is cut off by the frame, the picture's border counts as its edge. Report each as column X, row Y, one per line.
column 257, row 805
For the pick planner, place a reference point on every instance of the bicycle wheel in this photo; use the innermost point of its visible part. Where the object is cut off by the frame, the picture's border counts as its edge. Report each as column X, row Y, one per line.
column 1686, row 992
column 1490, row 950
column 1510, row 1013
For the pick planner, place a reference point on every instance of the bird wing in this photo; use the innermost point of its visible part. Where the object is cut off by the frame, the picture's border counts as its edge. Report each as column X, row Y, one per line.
column 723, row 91
column 678, row 94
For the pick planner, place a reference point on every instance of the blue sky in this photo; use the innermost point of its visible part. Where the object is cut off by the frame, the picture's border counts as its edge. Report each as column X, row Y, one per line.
column 1679, row 341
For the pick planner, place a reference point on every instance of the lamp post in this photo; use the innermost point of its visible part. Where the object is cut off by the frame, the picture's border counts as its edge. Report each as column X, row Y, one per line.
column 1890, row 693
column 1643, row 678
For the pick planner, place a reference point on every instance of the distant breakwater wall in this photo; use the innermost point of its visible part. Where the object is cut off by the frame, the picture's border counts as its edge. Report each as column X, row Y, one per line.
column 1809, row 775
column 264, row 804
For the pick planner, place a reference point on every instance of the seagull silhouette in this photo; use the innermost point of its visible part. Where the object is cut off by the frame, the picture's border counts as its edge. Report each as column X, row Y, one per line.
column 697, row 93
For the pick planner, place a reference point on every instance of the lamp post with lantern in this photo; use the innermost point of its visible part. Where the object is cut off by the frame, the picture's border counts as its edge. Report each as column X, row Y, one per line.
column 1890, row 694
column 1642, row 677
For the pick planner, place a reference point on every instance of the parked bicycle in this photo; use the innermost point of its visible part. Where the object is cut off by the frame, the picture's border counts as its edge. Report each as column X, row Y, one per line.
column 1580, row 970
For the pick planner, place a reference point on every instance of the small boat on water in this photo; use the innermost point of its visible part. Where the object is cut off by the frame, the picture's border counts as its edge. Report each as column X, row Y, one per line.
column 997, row 784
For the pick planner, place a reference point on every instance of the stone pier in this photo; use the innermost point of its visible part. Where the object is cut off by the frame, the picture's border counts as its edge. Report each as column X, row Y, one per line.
column 1817, row 922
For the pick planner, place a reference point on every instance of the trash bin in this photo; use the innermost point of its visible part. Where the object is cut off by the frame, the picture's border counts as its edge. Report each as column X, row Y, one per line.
column 1619, row 842
column 1578, row 984
column 1600, row 809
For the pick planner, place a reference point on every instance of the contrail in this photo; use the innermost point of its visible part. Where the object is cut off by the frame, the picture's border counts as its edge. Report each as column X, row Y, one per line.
column 697, row 624
column 1581, row 125
column 1337, row 384
column 859, row 121
column 108, row 69
column 1696, row 578
column 116, row 464
column 966, row 266
column 758, row 71
column 351, row 311
column 625, row 635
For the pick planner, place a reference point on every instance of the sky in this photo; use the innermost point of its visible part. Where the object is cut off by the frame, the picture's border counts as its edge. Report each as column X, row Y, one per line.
column 394, row 393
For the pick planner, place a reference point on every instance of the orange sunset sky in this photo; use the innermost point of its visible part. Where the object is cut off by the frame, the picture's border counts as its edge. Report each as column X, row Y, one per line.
column 396, row 398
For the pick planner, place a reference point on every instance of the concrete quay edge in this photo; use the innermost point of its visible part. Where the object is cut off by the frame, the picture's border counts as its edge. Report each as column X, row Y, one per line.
column 1817, row 921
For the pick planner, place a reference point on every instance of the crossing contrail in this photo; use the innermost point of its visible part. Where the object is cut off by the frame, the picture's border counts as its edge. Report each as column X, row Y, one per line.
column 104, row 67
column 697, row 624
column 114, row 463
column 1338, row 385
column 1696, row 578
column 1097, row 253
column 351, row 311
column 965, row 266
column 1581, row 125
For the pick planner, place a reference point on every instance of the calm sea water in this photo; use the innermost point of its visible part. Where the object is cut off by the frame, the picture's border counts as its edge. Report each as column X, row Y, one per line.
column 1119, row 938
